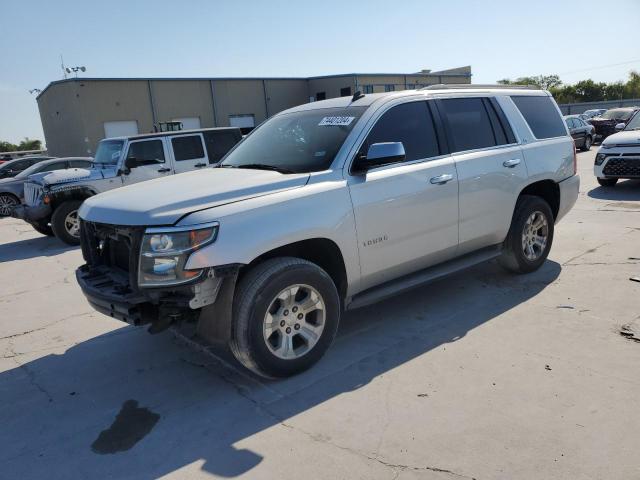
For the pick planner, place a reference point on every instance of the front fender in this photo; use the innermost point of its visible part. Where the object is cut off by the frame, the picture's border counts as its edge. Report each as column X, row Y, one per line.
column 251, row 228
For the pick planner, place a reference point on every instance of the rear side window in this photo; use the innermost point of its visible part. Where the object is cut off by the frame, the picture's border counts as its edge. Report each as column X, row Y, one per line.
column 219, row 143
column 409, row 123
column 469, row 124
column 80, row 164
column 187, row 148
column 541, row 114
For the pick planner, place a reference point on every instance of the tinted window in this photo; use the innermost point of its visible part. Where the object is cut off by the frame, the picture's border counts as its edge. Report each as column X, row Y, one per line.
column 80, row 164
column 219, row 143
column 149, row 152
column 187, row 148
column 54, row 166
column 469, row 123
column 409, row 123
column 21, row 165
column 541, row 114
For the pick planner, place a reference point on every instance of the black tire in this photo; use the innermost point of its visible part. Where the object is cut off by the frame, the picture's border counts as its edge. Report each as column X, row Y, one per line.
column 7, row 203
column 255, row 294
column 58, row 220
column 43, row 228
column 587, row 144
column 513, row 257
column 608, row 182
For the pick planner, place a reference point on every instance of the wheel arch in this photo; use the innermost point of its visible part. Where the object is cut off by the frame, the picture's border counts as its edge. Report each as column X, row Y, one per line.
column 548, row 190
column 323, row 252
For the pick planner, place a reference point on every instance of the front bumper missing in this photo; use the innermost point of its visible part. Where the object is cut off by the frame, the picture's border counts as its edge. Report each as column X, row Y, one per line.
column 31, row 213
column 108, row 292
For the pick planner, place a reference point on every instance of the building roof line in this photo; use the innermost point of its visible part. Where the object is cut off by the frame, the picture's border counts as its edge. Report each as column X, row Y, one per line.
column 445, row 73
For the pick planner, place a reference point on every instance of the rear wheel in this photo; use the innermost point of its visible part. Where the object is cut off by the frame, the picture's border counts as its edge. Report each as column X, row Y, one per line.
column 66, row 223
column 530, row 235
column 7, row 203
column 286, row 314
column 608, row 182
column 587, row 144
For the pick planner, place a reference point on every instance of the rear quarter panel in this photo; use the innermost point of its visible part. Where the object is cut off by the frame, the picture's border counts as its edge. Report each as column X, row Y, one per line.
column 547, row 159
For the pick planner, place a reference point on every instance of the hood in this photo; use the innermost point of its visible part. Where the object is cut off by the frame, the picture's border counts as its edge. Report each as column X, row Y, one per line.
column 165, row 200
column 69, row 175
column 623, row 138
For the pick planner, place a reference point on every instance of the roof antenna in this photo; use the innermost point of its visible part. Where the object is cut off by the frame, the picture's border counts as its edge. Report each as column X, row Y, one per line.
column 357, row 96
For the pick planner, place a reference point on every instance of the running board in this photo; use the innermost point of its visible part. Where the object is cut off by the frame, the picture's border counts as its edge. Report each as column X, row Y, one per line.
column 417, row 279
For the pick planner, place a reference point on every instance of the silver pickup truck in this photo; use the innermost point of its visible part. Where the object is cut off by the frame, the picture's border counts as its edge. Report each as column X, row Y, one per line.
column 54, row 198
column 330, row 206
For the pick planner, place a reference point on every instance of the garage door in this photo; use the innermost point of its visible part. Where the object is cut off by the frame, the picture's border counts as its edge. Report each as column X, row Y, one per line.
column 122, row 128
column 189, row 123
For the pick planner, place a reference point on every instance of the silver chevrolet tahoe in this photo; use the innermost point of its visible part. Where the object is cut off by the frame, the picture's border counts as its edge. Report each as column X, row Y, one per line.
column 330, row 206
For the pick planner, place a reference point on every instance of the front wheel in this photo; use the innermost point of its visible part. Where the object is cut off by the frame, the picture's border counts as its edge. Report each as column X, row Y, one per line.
column 530, row 235
column 7, row 203
column 66, row 223
column 608, row 182
column 286, row 313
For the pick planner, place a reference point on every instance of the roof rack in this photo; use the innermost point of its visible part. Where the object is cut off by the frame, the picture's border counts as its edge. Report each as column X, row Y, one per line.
column 452, row 86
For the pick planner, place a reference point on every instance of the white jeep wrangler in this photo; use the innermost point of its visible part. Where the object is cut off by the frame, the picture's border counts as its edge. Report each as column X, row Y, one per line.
column 54, row 198
column 330, row 206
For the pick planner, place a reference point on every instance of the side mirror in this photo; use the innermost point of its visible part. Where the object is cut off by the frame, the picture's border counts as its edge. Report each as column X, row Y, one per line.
column 380, row 154
column 620, row 126
column 131, row 162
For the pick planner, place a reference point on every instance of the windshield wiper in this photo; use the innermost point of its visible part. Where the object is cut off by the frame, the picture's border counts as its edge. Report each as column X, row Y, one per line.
column 262, row 166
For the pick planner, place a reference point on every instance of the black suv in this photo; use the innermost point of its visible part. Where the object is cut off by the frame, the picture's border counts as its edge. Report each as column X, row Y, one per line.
column 606, row 123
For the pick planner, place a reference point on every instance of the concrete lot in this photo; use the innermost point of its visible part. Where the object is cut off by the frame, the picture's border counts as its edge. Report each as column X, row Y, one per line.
column 483, row 375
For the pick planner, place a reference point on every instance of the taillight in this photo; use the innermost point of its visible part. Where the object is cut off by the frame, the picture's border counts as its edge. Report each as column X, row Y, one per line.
column 575, row 160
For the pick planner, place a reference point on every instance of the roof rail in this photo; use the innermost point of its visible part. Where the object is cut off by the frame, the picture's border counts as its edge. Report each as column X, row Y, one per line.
column 451, row 86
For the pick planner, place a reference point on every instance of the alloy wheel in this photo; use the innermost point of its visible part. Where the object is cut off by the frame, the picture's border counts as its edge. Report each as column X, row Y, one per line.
column 294, row 321
column 72, row 224
column 7, row 204
column 535, row 236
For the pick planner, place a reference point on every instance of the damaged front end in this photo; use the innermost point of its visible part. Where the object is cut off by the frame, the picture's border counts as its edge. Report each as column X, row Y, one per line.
column 128, row 275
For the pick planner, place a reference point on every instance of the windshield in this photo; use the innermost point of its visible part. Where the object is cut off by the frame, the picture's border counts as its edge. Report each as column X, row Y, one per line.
column 298, row 142
column 634, row 124
column 617, row 114
column 108, row 152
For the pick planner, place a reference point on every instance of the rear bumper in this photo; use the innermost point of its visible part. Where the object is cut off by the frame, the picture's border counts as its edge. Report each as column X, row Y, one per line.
column 32, row 214
column 569, row 189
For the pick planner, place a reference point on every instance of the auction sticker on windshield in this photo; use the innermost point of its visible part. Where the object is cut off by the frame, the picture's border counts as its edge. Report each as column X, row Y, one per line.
column 336, row 121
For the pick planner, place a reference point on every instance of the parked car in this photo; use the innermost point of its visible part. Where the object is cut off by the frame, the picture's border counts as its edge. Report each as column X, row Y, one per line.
column 606, row 123
column 619, row 155
column 581, row 132
column 595, row 112
column 330, row 205
column 11, row 189
column 13, row 167
column 54, row 199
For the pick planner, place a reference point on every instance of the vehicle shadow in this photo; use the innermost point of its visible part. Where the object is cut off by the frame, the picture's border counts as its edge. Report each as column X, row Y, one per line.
column 624, row 190
column 32, row 247
column 56, row 406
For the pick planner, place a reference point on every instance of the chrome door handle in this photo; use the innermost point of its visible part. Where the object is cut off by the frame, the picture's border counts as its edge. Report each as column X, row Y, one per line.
column 200, row 165
column 164, row 170
column 441, row 179
column 511, row 163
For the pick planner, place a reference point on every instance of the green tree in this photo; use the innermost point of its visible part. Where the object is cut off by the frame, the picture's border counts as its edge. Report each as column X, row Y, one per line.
column 29, row 144
column 543, row 81
column 7, row 147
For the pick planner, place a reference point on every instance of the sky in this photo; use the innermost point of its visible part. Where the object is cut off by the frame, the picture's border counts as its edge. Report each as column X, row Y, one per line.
column 208, row 38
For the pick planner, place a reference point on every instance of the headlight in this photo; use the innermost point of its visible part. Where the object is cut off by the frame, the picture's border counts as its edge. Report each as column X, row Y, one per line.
column 600, row 158
column 165, row 251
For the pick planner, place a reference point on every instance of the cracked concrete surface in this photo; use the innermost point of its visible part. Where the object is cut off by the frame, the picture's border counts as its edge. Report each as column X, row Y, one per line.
column 483, row 375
